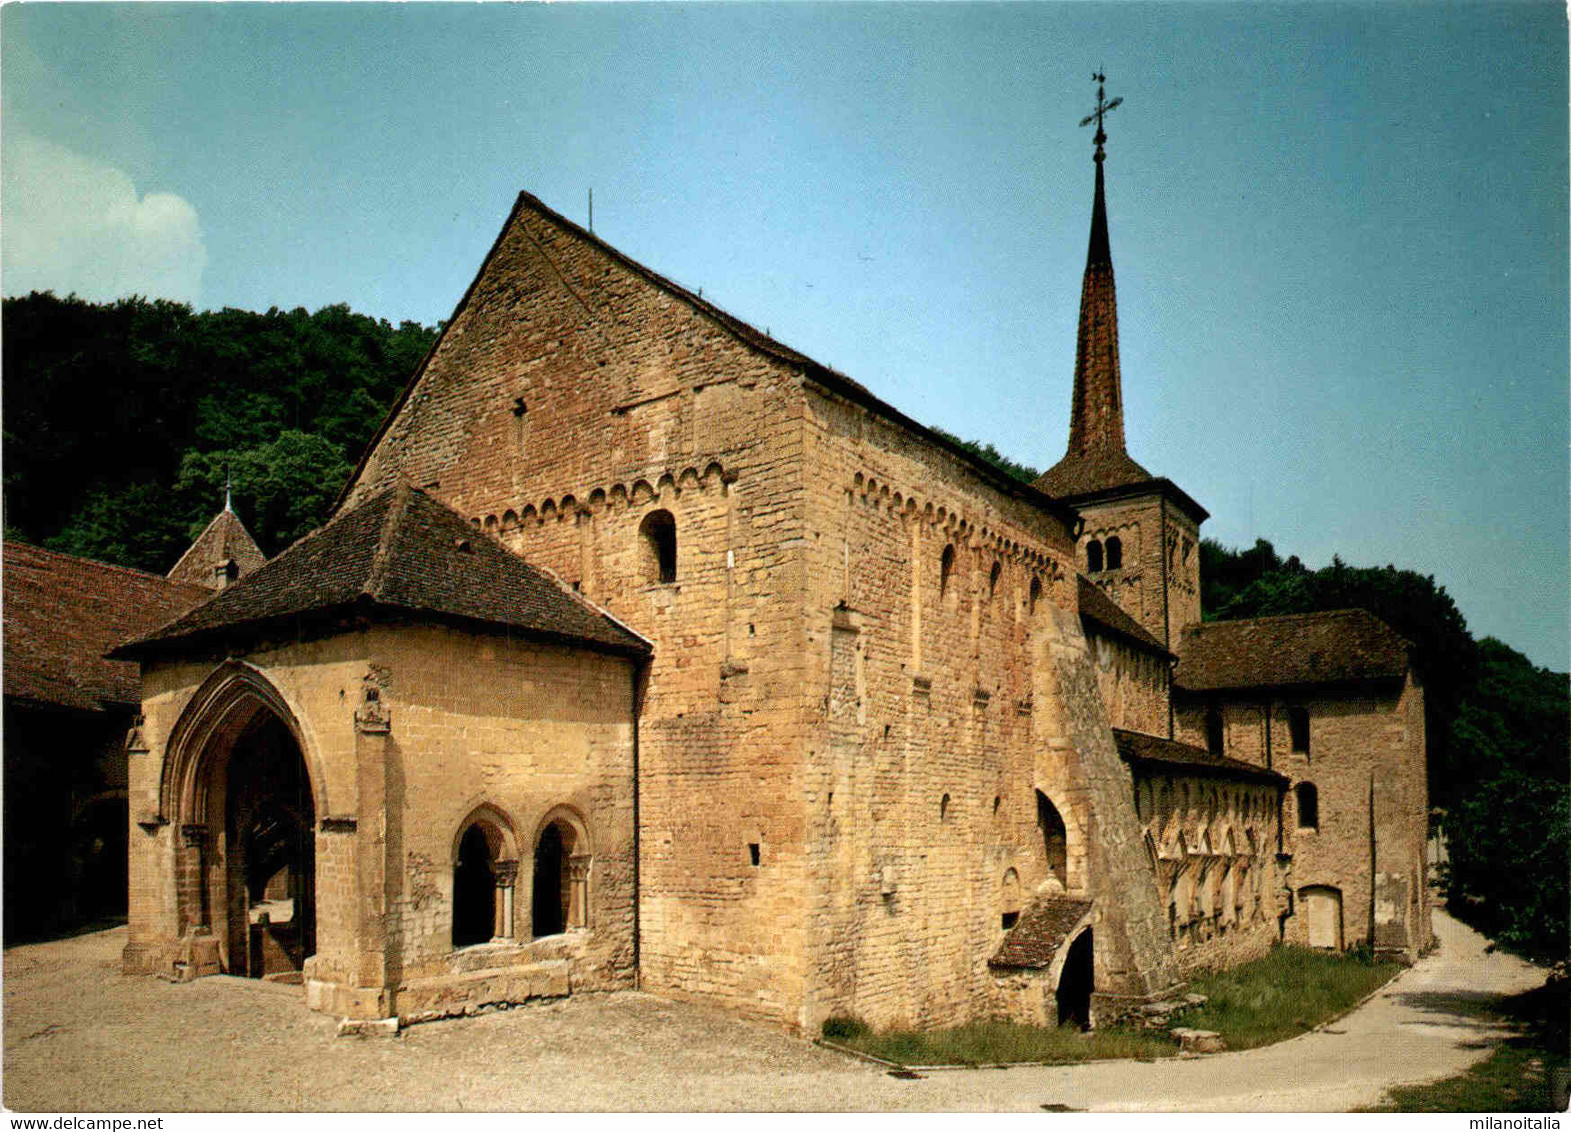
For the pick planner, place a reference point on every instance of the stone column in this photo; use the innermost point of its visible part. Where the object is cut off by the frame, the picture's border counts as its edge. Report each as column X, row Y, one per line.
column 373, row 728
column 506, row 885
column 191, row 880
column 578, row 875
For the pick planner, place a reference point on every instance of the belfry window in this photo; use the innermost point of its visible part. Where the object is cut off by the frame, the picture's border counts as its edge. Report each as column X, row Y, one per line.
column 1115, row 553
column 1298, row 729
column 1093, row 557
column 659, row 535
column 1308, row 806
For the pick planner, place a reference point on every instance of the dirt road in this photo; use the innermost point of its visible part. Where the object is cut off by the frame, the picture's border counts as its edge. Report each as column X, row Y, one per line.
column 79, row 1036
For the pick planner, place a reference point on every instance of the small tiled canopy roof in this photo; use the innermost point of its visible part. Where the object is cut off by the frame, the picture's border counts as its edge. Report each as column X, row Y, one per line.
column 1149, row 749
column 62, row 614
column 1341, row 646
column 1098, row 607
column 224, row 540
column 1081, row 473
column 1043, row 928
column 401, row 552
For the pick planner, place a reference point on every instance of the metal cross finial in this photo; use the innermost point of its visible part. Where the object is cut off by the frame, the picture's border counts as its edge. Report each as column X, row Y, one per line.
column 1103, row 108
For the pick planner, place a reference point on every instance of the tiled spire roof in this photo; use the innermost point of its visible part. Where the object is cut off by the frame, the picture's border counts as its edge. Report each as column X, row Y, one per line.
column 1096, row 458
column 224, row 541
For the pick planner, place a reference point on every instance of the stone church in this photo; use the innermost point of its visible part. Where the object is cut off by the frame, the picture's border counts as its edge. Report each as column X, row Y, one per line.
column 643, row 650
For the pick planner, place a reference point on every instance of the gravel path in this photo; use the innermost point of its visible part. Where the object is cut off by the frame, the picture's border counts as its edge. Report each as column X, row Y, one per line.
column 80, row 1036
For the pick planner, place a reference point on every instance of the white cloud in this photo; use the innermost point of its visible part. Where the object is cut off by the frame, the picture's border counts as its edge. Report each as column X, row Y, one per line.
column 71, row 223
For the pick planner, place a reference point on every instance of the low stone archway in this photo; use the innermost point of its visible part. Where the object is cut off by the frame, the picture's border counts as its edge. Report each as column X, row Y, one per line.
column 1076, row 981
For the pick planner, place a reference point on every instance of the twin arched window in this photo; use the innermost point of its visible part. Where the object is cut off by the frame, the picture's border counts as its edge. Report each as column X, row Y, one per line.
column 485, row 871
column 1107, row 555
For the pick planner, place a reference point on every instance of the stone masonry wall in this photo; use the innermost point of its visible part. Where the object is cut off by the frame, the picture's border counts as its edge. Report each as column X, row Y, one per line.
column 517, row 732
column 937, row 606
column 1162, row 596
column 1213, row 843
column 1133, row 683
column 516, row 735
column 313, row 680
column 570, row 399
column 1366, row 761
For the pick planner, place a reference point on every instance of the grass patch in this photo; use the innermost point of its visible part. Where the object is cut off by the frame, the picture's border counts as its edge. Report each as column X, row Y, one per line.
column 986, row 1043
column 1515, row 1077
column 1290, row 991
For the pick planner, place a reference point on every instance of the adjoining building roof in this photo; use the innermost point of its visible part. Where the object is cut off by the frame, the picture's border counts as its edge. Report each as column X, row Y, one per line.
column 62, row 614
column 1098, row 607
column 224, row 540
column 822, row 375
column 1335, row 647
column 1135, row 747
column 1043, row 928
column 400, row 552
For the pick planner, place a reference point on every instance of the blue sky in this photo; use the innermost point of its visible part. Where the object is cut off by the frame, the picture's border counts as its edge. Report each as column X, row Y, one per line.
column 1339, row 230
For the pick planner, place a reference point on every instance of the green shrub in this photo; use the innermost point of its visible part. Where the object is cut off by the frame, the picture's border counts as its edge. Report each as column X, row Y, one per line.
column 842, row 1027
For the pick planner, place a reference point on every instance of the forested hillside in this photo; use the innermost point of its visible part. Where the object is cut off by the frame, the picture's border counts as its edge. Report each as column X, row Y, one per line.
column 123, row 420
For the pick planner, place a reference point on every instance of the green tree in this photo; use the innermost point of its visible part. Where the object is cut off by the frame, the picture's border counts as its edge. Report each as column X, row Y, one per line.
column 284, row 487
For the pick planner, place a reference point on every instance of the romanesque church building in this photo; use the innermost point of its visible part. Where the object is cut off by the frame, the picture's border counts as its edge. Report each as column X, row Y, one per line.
column 643, row 650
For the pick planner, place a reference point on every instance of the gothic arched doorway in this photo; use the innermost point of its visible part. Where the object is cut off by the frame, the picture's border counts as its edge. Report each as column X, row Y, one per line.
column 1075, row 983
column 270, row 851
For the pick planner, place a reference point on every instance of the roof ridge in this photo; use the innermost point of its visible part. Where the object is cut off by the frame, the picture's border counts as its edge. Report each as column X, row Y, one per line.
column 1343, row 612
column 99, row 562
column 576, row 595
column 397, row 508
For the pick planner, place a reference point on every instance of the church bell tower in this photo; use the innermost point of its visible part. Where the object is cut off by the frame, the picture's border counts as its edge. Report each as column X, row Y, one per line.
column 1140, row 540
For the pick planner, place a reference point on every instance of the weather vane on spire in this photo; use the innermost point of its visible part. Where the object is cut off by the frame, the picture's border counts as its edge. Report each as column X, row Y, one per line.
column 1103, row 107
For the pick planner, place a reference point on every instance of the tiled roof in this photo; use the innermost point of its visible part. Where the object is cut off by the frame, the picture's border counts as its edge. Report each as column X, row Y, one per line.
column 62, row 614
column 1081, row 473
column 1308, row 648
column 1098, row 607
column 1043, row 928
column 1135, row 747
column 402, row 552
column 225, row 539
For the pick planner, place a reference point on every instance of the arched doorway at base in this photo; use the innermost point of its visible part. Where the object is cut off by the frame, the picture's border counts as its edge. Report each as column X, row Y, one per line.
column 1075, row 983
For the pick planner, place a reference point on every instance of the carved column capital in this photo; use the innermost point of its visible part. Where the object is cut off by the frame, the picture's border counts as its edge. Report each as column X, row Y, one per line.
column 506, row 873
column 578, row 868
column 372, row 716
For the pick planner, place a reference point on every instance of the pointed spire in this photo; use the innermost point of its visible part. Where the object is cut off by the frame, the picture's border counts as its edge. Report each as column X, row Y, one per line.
column 228, row 502
column 1096, row 457
column 1097, row 419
